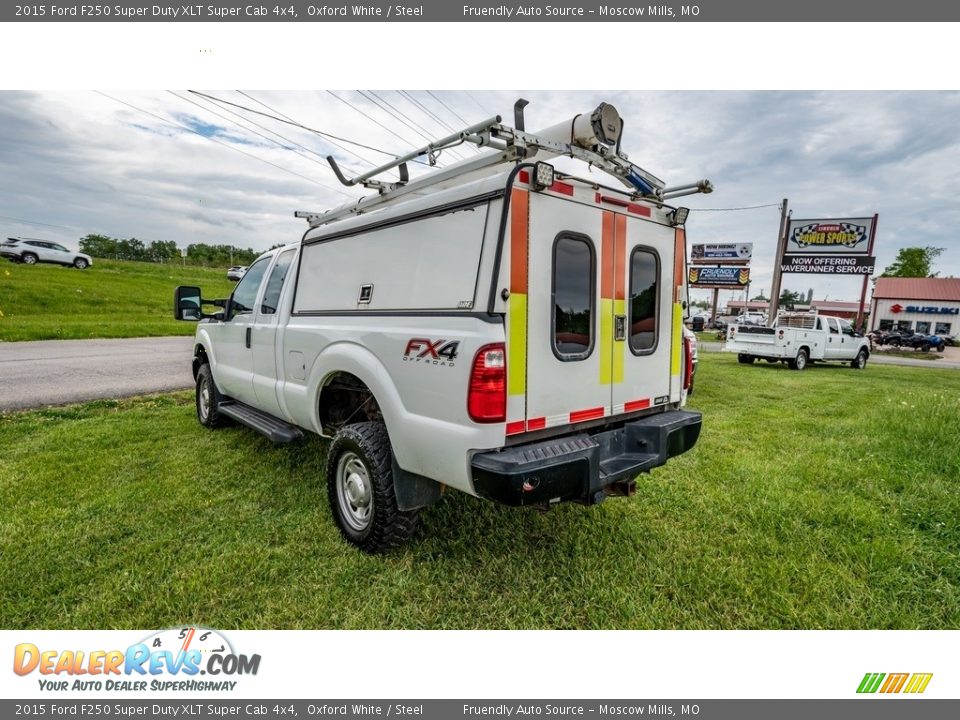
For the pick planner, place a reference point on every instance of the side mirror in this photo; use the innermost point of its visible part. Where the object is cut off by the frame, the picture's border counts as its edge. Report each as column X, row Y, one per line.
column 187, row 303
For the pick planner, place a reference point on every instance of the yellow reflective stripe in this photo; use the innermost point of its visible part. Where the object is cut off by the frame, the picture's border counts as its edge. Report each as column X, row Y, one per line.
column 677, row 339
column 619, row 348
column 606, row 340
column 517, row 345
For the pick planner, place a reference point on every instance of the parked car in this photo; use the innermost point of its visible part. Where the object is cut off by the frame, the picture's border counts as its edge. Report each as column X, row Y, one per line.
column 236, row 273
column 752, row 319
column 30, row 252
column 799, row 339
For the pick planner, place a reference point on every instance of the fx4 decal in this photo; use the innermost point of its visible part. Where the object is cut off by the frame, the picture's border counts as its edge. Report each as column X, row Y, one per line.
column 431, row 352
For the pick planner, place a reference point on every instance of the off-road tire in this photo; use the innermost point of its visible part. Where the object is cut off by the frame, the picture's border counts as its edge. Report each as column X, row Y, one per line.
column 801, row 360
column 387, row 526
column 29, row 259
column 925, row 347
column 208, row 400
column 80, row 264
column 860, row 361
column 745, row 359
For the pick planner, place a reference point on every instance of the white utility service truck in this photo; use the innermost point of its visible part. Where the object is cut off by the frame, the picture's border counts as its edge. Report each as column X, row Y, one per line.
column 496, row 326
column 799, row 339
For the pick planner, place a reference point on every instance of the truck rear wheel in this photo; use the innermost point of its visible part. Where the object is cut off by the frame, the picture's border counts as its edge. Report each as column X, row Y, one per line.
column 208, row 399
column 745, row 359
column 800, row 361
column 860, row 361
column 361, row 491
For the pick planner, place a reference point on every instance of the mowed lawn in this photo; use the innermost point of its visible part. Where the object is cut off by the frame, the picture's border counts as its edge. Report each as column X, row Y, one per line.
column 110, row 299
column 828, row 498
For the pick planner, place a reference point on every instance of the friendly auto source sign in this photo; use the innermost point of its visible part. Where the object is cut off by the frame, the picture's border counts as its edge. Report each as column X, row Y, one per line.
column 845, row 236
column 720, row 253
column 829, row 264
column 719, row 277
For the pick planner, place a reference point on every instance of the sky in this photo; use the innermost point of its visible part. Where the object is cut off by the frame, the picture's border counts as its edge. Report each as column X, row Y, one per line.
column 172, row 165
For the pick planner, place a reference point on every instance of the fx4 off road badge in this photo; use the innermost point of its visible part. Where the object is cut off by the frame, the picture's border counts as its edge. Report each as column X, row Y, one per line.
column 431, row 352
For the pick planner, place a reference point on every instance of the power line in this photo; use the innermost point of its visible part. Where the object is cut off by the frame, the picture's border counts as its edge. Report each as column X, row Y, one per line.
column 412, row 124
column 321, row 133
column 371, row 118
column 731, row 209
column 449, row 109
column 478, row 104
column 265, row 137
column 31, row 222
column 218, row 142
column 426, row 111
column 327, row 139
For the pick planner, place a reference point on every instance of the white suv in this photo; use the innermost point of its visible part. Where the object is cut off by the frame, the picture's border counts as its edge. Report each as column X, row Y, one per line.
column 30, row 252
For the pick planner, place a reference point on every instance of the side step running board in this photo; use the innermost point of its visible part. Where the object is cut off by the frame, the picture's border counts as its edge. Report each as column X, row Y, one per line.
column 273, row 428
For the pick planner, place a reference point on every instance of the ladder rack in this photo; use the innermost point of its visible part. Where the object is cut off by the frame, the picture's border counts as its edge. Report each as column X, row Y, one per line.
column 510, row 145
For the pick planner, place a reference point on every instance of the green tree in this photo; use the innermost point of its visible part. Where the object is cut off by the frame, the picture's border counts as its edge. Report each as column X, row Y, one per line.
column 761, row 297
column 913, row 262
column 789, row 298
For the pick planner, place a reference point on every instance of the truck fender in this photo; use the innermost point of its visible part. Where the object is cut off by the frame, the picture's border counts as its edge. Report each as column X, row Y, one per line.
column 412, row 490
column 202, row 343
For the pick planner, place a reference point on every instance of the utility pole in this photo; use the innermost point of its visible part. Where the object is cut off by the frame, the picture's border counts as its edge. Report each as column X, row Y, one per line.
column 777, row 261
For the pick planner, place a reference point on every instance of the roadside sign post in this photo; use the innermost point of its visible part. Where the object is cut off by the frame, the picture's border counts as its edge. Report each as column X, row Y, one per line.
column 863, row 292
column 777, row 268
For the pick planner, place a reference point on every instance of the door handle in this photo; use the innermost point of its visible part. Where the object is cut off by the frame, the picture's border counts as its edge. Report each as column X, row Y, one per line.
column 249, row 330
column 620, row 327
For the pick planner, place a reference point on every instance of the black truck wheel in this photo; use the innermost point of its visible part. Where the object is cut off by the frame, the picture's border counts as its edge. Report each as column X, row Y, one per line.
column 208, row 400
column 745, row 359
column 860, row 361
column 361, row 491
column 800, row 361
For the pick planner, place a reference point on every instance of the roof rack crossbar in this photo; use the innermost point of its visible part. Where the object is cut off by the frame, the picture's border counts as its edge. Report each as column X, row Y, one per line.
column 512, row 144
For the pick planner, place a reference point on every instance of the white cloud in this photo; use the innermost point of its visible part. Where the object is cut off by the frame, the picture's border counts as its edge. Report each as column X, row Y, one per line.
column 82, row 162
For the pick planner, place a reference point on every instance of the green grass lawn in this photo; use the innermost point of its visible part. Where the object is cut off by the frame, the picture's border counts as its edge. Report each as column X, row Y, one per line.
column 828, row 498
column 111, row 299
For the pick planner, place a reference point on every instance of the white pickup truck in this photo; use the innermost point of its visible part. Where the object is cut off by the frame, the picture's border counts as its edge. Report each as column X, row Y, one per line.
column 497, row 327
column 799, row 339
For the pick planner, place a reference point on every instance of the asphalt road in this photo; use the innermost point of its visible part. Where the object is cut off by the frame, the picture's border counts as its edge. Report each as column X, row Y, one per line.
column 57, row 372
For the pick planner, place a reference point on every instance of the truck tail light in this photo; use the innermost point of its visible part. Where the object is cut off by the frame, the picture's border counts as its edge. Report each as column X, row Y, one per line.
column 487, row 396
column 688, row 363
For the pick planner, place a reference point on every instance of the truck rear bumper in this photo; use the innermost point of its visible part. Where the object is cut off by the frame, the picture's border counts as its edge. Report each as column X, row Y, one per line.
column 584, row 467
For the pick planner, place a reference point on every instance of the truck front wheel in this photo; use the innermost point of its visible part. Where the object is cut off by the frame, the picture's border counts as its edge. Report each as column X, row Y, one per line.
column 800, row 362
column 860, row 361
column 208, row 399
column 361, row 491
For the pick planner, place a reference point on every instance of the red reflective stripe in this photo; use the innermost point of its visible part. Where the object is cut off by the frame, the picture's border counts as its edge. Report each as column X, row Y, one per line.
column 619, row 202
column 636, row 405
column 524, row 176
column 562, row 188
column 515, row 427
column 536, row 423
column 589, row 414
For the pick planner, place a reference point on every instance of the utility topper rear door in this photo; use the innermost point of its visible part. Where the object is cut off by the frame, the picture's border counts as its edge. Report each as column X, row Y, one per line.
column 590, row 320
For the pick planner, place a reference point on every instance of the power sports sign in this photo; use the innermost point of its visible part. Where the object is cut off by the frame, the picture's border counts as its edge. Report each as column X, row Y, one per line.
column 843, row 236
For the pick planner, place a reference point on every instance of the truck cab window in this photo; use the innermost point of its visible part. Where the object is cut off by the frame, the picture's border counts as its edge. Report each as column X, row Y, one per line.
column 271, row 297
column 832, row 324
column 245, row 294
column 644, row 271
column 574, row 270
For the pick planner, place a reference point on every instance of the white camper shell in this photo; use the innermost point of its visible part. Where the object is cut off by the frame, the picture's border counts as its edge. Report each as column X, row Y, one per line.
column 510, row 332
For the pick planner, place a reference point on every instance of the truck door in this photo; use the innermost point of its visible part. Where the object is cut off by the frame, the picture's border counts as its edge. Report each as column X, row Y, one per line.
column 263, row 344
column 564, row 356
column 646, row 333
column 834, row 347
column 234, row 367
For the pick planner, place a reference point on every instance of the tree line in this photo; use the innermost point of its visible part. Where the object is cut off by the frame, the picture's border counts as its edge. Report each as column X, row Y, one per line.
column 102, row 246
